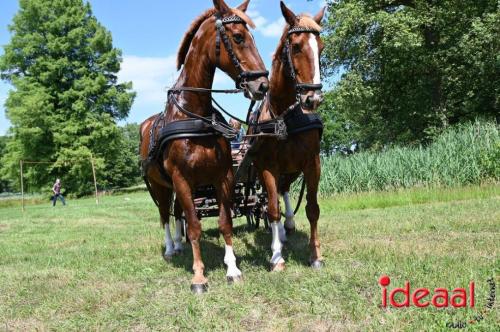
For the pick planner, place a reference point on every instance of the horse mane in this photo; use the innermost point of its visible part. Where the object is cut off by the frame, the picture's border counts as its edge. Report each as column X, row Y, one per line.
column 195, row 26
column 304, row 21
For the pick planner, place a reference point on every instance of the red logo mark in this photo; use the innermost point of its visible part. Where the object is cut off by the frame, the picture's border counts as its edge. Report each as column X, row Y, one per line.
column 423, row 297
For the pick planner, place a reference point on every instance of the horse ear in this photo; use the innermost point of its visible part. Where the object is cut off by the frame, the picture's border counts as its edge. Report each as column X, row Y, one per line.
column 319, row 16
column 244, row 6
column 221, row 6
column 289, row 16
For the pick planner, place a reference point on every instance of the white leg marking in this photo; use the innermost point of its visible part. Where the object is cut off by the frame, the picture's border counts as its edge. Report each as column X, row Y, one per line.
column 230, row 261
column 178, row 235
column 313, row 43
column 289, row 222
column 169, row 244
column 276, row 245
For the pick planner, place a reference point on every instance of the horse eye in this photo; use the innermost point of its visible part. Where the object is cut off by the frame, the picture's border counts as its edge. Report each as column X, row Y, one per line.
column 238, row 38
column 296, row 48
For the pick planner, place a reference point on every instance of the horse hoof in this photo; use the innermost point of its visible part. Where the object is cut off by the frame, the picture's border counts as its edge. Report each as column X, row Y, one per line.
column 234, row 280
column 289, row 231
column 167, row 258
column 317, row 265
column 199, row 288
column 277, row 267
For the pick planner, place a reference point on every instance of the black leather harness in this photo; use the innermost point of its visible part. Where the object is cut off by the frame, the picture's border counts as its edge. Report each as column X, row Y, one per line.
column 292, row 122
column 161, row 133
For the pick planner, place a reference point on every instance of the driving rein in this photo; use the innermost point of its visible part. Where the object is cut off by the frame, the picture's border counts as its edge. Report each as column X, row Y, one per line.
column 196, row 125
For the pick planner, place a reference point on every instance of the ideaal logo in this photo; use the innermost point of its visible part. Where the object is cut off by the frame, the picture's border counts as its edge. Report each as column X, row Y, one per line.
column 460, row 297
column 439, row 298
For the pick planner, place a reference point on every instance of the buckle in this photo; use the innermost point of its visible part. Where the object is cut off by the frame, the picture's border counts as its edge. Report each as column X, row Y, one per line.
column 280, row 130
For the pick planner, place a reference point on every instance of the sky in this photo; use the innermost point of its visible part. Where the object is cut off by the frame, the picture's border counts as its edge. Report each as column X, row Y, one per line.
column 149, row 32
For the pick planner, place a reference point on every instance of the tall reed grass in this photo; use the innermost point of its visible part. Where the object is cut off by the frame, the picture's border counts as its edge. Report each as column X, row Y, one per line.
column 463, row 155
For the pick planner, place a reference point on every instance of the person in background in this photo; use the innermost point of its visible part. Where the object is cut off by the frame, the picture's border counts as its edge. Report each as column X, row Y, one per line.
column 57, row 193
column 236, row 142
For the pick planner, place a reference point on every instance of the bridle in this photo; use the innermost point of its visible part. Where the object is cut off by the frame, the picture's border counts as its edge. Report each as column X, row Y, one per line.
column 287, row 52
column 243, row 75
column 241, row 81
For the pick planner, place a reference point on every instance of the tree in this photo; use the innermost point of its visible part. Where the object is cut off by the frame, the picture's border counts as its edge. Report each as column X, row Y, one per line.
column 4, row 183
column 66, row 100
column 413, row 67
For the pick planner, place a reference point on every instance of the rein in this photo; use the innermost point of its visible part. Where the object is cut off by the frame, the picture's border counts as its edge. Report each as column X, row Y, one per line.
column 243, row 76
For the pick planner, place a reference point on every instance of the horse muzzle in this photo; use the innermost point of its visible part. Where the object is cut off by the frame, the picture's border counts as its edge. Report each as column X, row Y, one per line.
column 256, row 88
column 311, row 100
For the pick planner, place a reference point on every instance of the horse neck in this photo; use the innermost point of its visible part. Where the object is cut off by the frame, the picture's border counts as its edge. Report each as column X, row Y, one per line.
column 197, row 72
column 282, row 88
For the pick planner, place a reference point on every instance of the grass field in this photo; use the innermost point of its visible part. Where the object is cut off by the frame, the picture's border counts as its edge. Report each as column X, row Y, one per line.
column 87, row 267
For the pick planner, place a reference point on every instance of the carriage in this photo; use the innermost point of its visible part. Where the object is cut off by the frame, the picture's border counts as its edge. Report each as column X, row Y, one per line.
column 249, row 196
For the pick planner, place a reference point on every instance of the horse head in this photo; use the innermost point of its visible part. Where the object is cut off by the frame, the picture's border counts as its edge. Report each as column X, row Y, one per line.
column 223, row 33
column 301, row 48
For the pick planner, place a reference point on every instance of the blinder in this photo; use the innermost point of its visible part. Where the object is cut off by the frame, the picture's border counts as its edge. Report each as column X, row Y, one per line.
column 244, row 75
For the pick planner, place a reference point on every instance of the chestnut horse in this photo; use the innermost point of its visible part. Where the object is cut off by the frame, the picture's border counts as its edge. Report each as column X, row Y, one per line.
column 219, row 38
column 295, row 82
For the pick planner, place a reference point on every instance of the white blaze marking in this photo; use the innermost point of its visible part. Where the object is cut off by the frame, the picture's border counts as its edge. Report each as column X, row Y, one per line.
column 276, row 245
column 230, row 261
column 313, row 43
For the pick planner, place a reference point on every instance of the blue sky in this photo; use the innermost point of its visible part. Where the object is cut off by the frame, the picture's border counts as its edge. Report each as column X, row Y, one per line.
column 149, row 32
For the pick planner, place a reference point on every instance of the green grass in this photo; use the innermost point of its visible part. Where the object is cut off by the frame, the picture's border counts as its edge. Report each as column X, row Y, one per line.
column 88, row 267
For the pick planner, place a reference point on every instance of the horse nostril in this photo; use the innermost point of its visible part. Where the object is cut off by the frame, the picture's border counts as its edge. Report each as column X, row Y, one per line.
column 263, row 87
column 308, row 101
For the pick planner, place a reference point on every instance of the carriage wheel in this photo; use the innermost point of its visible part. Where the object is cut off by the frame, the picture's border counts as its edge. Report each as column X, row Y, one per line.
column 257, row 220
column 266, row 221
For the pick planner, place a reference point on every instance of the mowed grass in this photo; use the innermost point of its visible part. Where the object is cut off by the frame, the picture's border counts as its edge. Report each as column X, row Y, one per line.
column 88, row 267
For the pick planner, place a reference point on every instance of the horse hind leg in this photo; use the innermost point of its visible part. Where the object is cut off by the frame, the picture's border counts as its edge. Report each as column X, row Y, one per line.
column 164, row 197
column 285, row 184
column 178, row 248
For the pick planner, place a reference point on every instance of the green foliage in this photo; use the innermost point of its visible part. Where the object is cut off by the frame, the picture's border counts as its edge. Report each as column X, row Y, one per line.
column 4, row 183
column 412, row 67
column 462, row 155
column 66, row 100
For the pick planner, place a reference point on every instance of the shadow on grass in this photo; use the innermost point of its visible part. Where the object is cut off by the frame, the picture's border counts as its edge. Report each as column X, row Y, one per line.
column 256, row 252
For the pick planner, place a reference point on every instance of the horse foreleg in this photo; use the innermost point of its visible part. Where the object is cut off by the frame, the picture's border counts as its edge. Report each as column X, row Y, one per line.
column 278, row 231
column 224, row 193
column 311, row 176
column 199, row 283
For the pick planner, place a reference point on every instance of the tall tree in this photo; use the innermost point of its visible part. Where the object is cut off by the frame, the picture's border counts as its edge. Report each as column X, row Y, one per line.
column 66, row 100
column 413, row 67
